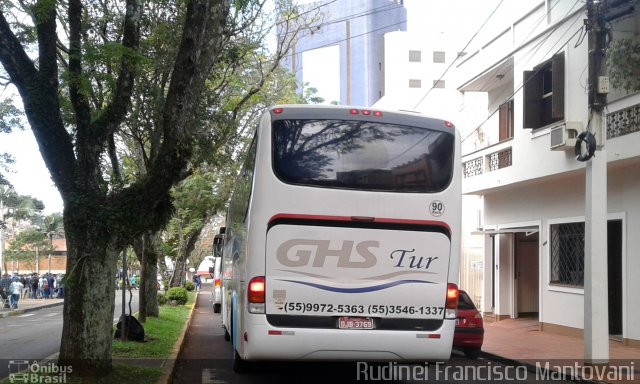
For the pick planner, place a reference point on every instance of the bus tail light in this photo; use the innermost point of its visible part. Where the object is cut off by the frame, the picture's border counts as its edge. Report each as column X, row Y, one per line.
column 256, row 295
column 365, row 112
column 452, row 301
column 217, row 282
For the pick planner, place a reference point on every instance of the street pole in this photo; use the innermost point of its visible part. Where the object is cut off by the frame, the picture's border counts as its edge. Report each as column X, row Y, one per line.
column 123, row 318
column 596, row 305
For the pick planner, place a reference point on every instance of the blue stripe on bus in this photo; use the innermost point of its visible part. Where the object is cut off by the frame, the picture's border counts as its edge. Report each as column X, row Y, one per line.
column 360, row 289
column 234, row 320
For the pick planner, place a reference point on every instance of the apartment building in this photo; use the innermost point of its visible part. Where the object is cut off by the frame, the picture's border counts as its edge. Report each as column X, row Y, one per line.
column 347, row 41
column 519, row 163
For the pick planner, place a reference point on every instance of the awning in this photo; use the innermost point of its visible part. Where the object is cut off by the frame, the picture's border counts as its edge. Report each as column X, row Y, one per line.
column 526, row 230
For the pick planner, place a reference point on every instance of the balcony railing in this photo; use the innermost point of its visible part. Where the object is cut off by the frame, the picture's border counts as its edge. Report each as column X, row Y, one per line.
column 494, row 161
column 623, row 122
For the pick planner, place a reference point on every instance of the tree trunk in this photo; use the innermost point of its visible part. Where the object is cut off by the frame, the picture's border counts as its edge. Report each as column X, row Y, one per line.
column 87, row 329
column 150, row 288
column 146, row 250
column 144, row 281
column 178, row 274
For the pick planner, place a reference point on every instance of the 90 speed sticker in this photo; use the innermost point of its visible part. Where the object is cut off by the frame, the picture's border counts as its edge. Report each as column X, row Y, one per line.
column 436, row 207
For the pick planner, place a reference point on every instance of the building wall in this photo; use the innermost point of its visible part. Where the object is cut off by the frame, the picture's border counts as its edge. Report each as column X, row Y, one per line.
column 56, row 264
column 357, row 27
column 442, row 103
column 559, row 200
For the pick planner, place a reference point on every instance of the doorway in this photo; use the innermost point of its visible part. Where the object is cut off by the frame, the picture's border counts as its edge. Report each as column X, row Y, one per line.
column 614, row 268
column 526, row 275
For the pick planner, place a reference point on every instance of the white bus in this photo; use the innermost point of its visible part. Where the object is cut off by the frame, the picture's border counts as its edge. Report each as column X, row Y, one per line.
column 343, row 238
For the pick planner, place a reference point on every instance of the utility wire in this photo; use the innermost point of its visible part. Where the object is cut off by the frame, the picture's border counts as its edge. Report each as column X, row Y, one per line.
column 459, row 55
column 351, row 37
column 530, row 78
column 538, row 45
column 305, row 12
column 384, row 8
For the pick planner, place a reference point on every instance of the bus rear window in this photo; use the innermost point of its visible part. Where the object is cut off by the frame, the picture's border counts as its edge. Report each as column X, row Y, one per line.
column 363, row 155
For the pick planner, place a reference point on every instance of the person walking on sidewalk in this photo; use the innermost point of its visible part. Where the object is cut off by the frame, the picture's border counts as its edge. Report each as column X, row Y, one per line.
column 41, row 282
column 16, row 291
column 33, row 282
column 25, row 287
column 50, row 284
column 5, row 285
column 60, row 284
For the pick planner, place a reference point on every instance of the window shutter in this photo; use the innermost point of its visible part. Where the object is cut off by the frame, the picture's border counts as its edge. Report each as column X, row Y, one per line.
column 505, row 121
column 557, row 84
column 532, row 108
column 502, row 122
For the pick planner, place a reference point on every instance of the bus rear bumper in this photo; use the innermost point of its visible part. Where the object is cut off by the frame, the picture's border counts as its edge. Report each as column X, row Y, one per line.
column 265, row 342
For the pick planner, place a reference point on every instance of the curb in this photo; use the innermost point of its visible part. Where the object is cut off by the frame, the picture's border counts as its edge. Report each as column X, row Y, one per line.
column 16, row 312
column 530, row 367
column 170, row 363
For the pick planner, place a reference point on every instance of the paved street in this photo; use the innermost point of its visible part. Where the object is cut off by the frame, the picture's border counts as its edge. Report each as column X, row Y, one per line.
column 35, row 335
column 206, row 359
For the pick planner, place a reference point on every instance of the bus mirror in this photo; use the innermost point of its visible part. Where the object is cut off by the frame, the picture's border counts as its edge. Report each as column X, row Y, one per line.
column 211, row 270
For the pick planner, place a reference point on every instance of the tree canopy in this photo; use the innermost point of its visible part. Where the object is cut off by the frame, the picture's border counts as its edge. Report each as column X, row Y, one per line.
column 171, row 78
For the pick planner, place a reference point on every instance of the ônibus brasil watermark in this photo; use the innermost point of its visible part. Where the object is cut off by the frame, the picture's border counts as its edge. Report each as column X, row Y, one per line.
column 23, row 371
column 487, row 371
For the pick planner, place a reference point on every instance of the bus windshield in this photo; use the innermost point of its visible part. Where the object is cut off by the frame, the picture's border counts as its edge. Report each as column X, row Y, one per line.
column 362, row 155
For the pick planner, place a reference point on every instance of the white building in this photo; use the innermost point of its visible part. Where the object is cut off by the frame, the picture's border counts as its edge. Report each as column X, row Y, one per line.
column 520, row 162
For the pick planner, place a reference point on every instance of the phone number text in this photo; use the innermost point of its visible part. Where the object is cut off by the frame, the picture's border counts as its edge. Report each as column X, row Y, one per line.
column 356, row 309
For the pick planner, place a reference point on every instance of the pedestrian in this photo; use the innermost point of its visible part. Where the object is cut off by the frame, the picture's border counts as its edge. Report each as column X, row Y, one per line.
column 60, row 282
column 45, row 287
column 5, row 284
column 25, row 286
column 33, row 282
column 16, row 291
column 41, row 283
column 50, row 283
column 133, row 282
column 198, row 282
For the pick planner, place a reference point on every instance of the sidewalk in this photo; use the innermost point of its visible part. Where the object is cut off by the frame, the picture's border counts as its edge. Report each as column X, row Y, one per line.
column 28, row 305
column 520, row 341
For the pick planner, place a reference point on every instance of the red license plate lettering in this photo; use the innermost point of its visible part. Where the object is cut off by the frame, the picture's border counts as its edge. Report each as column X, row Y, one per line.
column 355, row 323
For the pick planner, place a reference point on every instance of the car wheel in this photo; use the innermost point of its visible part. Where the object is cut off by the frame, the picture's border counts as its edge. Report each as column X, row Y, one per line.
column 472, row 353
column 216, row 308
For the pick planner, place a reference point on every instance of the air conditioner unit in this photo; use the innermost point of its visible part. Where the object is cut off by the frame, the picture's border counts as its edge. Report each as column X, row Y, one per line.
column 563, row 137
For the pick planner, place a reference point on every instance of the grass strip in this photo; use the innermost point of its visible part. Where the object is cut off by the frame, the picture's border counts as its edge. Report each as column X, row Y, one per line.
column 161, row 335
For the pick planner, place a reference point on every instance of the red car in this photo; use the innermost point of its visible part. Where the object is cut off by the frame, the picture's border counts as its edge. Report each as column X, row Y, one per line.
column 469, row 332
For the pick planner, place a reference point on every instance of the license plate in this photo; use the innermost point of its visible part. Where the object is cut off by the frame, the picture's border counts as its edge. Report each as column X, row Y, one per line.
column 355, row 323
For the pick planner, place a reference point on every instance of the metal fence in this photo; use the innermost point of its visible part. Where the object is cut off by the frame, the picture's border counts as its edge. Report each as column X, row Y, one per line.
column 471, row 267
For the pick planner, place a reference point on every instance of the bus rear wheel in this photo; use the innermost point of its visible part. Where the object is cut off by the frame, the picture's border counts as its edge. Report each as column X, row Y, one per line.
column 239, row 364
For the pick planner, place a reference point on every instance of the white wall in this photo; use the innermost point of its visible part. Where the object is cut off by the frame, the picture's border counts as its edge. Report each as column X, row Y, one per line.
column 562, row 199
column 442, row 103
